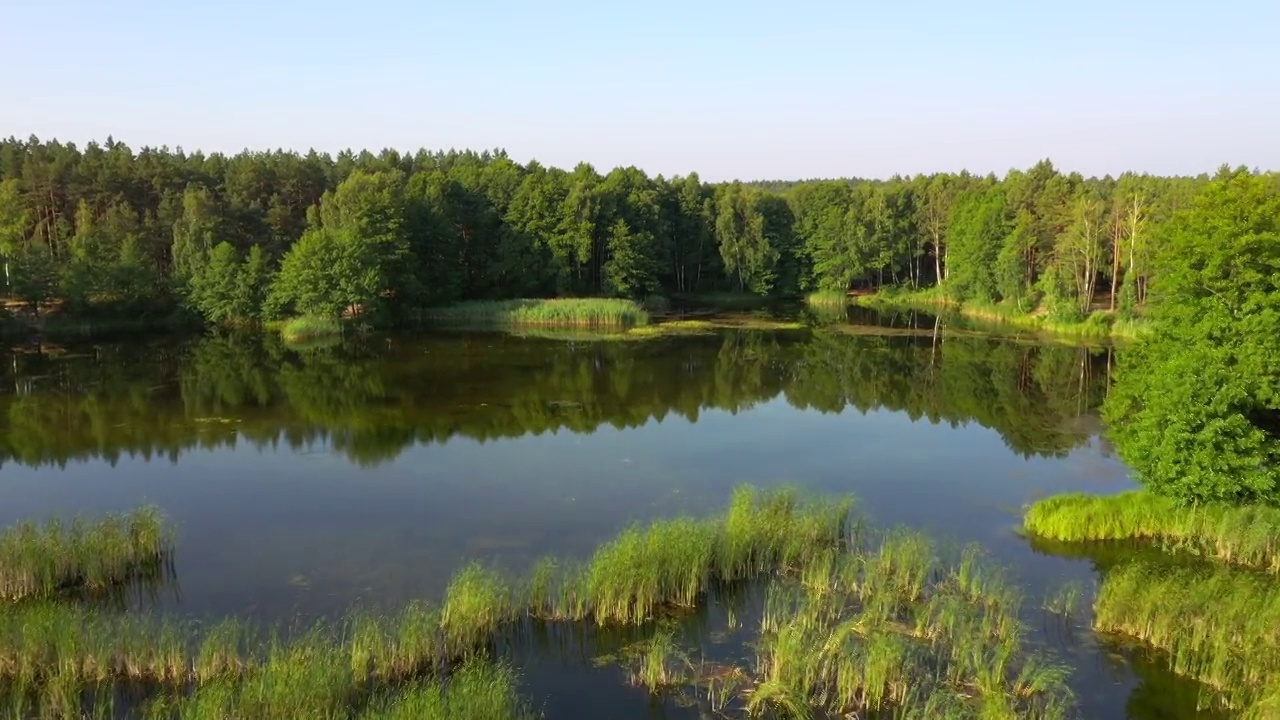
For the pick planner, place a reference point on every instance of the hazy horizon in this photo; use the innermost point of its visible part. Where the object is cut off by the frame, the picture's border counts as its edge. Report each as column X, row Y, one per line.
column 730, row 91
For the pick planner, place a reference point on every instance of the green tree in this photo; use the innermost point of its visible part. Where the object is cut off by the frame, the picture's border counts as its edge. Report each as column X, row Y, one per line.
column 978, row 228
column 34, row 274
column 13, row 223
column 1196, row 408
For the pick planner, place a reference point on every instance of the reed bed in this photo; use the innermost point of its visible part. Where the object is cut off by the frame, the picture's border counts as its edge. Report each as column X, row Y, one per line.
column 1248, row 536
column 476, row 691
column 310, row 327
column 894, row 632
column 42, row 561
column 827, row 299
column 1216, row 625
column 561, row 312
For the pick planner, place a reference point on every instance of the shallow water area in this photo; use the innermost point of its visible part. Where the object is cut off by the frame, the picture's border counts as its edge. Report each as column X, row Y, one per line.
column 305, row 482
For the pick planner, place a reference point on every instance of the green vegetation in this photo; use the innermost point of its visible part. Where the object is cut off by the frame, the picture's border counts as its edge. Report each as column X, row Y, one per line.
column 42, row 561
column 1097, row 324
column 1214, row 625
column 569, row 312
column 851, row 624
column 827, row 299
column 310, row 327
column 1248, row 536
column 893, row 630
column 261, row 236
column 1196, row 407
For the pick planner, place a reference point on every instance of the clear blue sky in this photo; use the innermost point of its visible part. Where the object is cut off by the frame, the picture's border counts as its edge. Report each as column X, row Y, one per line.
column 742, row 89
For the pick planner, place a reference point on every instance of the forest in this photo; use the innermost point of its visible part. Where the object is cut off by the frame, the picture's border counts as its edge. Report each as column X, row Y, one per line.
column 157, row 234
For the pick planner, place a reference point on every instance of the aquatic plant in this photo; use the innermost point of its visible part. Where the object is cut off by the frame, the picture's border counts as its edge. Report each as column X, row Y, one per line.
column 560, row 312
column 476, row 691
column 1216, row 625
column 40, row 561
column 894, row 632
column 1240, row 535
column 310, row 327
column 827, row 299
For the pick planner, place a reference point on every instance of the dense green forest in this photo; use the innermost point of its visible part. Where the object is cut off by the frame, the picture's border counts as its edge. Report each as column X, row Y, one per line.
column 106, row 231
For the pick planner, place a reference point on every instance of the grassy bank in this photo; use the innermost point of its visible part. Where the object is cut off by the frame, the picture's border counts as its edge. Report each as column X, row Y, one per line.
column 1217, row 626
column 42, row 561
column 1240, row 535
column 564, row 312
column 1099, row 324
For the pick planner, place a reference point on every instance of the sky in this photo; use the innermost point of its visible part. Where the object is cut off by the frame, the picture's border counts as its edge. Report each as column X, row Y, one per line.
column 745, row 89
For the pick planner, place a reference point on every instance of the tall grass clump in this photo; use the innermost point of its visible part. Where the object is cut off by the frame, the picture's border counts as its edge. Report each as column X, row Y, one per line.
column 310, row 327
column 303, row 678
column 562, row 312
column 476, row 691
column 894, row 632
column 667, row 563
column 1248, row 536
column 477, row 601
column 827, row 299
column 1216, row 625
column 40, row 561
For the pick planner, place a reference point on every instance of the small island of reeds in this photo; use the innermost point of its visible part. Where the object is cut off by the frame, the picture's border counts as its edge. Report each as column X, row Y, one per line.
column 593, row 313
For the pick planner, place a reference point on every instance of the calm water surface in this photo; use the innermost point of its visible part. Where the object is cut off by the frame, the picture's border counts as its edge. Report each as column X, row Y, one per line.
column 304, row 482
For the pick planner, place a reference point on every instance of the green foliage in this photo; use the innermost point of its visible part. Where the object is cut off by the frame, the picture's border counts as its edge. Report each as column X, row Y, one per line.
column 978, row 227
column 1195, row 408
column 34, row 274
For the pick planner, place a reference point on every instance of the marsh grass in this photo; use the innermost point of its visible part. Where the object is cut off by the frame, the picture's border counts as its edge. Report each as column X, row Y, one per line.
column 1248, row 536
column 310, row 327
column 896, row 632
column 853, row 622
column 476, row 691
column 1216, row 625
column 561, row 312
column 827, row 299
column 42, row 561
column 659, row 662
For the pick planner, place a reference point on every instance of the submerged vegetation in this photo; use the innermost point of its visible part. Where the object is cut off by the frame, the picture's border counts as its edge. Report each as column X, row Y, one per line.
column 43, row 561
column 564, row 312
column 854, row 622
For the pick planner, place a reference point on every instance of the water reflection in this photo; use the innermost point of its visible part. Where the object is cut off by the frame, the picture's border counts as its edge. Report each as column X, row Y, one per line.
column 373, row 397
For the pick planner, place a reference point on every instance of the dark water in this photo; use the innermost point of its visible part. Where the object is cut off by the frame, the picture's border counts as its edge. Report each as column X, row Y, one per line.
column 308, row 481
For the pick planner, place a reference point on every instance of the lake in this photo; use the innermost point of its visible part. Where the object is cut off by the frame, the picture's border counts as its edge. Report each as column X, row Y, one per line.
column 305, row 482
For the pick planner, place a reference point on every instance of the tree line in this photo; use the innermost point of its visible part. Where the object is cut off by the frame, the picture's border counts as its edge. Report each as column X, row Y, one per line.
column 105, row 229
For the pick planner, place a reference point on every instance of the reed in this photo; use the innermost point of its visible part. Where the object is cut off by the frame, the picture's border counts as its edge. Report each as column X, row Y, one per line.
column 894, row 632
column 1247, row 536
column 827, row 299
column 659, row 662
column 310, row 327
column 41, row 561
column 1216, row 625
column 561, row 312
column 40, row 641
column 304, row 678
column 476, row 691
column 477, row 602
